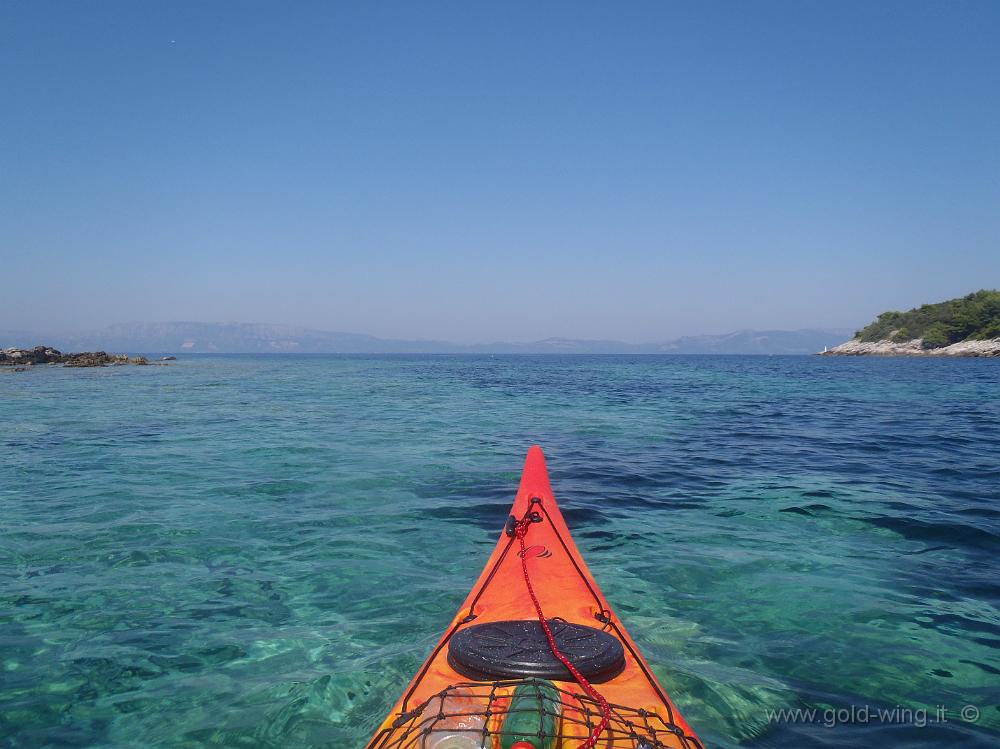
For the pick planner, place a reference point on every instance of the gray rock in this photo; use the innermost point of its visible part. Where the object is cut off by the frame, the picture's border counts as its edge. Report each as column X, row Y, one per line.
column 49, row 355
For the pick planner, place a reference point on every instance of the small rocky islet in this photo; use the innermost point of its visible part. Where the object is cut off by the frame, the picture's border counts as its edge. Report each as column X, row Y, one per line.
column 27, row 357
column 966, row 326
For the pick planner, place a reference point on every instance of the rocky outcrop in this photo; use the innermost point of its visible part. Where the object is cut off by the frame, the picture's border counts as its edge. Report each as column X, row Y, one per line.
column 36, row 355
column 18, row 357
column 915, row 348
column 102, row 359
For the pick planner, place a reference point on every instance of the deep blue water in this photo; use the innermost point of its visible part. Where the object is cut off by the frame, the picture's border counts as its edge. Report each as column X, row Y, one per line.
column 254, row 551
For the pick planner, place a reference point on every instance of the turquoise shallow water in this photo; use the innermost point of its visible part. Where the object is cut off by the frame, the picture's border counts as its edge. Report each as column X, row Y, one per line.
column 260, row 551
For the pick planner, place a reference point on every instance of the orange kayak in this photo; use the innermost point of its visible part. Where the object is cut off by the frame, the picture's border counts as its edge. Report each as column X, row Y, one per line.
column 495, row 645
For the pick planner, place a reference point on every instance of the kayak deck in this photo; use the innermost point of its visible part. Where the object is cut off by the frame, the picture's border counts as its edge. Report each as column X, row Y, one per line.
column 642, row 715
column 576, row 713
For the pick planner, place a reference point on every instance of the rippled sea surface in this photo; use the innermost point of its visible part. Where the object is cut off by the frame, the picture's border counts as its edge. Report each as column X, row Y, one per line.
column 252, row 551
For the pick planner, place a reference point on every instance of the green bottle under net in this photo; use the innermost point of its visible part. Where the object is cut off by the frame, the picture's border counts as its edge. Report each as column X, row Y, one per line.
column 532, row 720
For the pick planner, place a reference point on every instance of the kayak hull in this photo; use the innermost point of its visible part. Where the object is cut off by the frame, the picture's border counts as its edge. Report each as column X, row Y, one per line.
column 566, row 590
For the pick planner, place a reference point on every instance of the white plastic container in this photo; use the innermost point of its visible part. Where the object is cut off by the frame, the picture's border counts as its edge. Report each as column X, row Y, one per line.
column 462, row 724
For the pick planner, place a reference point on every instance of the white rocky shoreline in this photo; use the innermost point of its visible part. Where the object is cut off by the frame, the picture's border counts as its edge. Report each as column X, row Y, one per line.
column 987, row 348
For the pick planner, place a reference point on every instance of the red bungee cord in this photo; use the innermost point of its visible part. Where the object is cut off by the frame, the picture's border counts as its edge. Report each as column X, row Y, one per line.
column 521, row 531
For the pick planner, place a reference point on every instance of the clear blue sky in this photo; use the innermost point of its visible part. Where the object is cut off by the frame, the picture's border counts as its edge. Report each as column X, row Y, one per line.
column 475, row 172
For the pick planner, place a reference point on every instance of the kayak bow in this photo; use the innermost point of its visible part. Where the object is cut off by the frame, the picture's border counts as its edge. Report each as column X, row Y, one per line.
column 496, row 648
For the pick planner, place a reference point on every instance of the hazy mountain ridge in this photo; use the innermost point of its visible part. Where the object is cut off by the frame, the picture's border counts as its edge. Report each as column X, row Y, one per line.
column 762, row 342
column 253, row 338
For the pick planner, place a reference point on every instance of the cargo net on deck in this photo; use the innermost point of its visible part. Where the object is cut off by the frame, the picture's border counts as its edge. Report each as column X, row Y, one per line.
column 481, row 715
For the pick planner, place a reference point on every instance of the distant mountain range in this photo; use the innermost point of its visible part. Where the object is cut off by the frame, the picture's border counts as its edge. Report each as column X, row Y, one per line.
column 255, row 338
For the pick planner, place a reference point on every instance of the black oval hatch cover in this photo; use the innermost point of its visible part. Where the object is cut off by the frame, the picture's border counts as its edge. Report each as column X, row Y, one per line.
column 519, row 649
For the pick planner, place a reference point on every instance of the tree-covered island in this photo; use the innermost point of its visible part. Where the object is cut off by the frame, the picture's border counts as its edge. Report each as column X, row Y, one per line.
column 967, row 326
